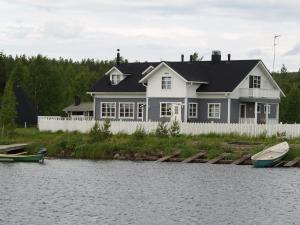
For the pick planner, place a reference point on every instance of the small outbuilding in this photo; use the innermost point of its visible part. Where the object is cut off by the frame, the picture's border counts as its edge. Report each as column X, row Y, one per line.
column 80, row 109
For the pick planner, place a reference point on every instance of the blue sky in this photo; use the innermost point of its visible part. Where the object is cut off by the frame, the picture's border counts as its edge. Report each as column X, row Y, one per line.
column 152, row 30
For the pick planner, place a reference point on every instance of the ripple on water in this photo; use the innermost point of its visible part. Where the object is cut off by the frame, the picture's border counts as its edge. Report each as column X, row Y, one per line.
column 116, row 192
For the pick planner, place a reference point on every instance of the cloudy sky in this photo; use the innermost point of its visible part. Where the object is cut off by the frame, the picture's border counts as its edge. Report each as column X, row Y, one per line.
column 152, row 30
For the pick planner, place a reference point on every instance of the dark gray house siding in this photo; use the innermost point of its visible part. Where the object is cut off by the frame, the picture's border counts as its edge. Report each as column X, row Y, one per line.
column 117, row 101
column 203, row 110
column 234, row 111
column 154, row 108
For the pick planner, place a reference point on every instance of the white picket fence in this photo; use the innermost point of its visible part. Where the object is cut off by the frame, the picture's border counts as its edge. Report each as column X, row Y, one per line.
column 51, row 123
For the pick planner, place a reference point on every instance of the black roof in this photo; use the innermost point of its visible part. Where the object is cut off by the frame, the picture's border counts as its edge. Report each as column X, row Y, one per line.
column 222, row 76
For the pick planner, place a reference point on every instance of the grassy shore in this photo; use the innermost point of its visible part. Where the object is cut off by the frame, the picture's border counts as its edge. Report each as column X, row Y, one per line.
column 83, row 146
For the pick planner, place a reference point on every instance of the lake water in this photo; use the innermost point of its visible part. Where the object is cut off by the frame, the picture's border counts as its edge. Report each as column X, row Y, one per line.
column 121, row 192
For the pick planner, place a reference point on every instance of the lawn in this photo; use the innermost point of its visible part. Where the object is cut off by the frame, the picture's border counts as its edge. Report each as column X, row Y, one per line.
column 85, row 146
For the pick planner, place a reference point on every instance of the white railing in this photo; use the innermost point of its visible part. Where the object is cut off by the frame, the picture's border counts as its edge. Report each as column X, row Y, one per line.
column 252, row 121
column 258, row 93
column 46, row 123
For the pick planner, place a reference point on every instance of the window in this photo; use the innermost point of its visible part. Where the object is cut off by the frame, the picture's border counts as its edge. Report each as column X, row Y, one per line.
column 258, row 108
column 115, row 79
column 254, row 81
column 108, row 110
column 214, row 110
column 166, row 82
column 193, row 110
column 126, row 110
column 165, row 109
column 267, row 108
column 140, row 110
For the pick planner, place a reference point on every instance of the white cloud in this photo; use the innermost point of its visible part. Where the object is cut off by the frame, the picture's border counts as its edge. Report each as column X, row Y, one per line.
column 294, row 51
column 151, row 29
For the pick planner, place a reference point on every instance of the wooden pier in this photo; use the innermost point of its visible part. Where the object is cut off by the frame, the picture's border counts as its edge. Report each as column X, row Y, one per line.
column 192, row 158
column 217, row 159
column 13, row 147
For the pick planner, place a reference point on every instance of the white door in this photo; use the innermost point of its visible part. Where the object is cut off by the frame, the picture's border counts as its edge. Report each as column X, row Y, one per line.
column 176, row 112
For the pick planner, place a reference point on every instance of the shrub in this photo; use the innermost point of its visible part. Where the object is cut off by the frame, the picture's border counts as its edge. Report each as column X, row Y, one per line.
column 162, row 130
column 139, row 132
column 95, row 131
column 174, row 129
column 100, row 132
column 105, row 129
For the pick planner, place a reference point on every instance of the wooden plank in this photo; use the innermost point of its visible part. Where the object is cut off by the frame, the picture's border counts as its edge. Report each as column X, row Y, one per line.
column 165, row 158
column 292, row 163
column 217, row 159
column 279, row 164
column 242, row 159
column 7, row 148
column 192, row 158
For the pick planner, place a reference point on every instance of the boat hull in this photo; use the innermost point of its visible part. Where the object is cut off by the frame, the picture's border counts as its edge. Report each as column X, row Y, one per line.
column 266, row 163
column 25, row 158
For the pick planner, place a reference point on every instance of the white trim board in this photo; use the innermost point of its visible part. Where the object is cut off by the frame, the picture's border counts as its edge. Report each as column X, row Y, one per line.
column 113, row 68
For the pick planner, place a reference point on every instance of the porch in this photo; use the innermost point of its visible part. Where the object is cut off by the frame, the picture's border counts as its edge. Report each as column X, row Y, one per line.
column 258, row 112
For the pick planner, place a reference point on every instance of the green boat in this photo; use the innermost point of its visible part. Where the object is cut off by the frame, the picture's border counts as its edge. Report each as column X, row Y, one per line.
column 270, row 156
column 39, row 157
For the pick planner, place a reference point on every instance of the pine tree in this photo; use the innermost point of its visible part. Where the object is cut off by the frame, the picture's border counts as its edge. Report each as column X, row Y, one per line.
column 8, row 112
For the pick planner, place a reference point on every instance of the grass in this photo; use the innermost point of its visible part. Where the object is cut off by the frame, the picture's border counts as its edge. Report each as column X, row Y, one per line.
column 83, row 146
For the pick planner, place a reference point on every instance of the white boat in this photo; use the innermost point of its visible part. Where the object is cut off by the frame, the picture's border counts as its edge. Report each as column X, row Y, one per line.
column 271, row 155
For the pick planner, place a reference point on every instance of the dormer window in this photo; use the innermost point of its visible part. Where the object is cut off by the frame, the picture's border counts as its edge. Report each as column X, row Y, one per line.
column 115, row 79
column 166, row 82
column 254, row 81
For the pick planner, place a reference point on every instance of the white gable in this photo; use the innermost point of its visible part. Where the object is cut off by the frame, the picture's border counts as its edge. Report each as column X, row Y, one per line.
column 266, row 82
column 154, row 84
column 268, row 87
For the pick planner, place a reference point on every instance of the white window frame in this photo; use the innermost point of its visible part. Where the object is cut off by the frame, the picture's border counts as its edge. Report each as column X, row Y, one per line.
column 256, row 82
column 193, row 103
column 269, row 108
column 116, row 81
column 258, row 110
column 137, row 110
column 166, row 85
column 171, row 103
column 120, row 103
column 213, row 117
column 108, row 117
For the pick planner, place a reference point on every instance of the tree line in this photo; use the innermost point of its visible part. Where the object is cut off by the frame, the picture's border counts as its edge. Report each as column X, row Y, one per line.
column 51, row 84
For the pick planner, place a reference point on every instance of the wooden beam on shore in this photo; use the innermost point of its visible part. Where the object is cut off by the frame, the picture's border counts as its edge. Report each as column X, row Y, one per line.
column 241, row 160
column 280, row 164
column 193, row 157
column 165, row 158
column 13, row 147
column 217, row 159
column 292, row 163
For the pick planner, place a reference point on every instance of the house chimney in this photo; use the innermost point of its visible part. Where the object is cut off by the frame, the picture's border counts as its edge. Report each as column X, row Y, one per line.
column 229, row 57
column 118, row 57
column 191, row 58
column 182, row 57
column 77, row 100
column 216, row 56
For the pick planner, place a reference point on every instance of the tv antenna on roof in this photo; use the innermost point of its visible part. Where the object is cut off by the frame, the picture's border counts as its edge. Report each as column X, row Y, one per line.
column 274, row 45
